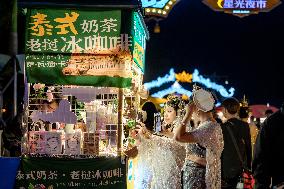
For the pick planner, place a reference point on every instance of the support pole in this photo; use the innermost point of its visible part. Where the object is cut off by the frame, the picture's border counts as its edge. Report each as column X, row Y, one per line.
column 15, row 100
column 119, row 125
column 13, row 49
column 1, row 110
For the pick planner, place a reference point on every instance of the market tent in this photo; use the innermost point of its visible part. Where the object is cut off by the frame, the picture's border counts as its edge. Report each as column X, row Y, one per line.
column 258, row 110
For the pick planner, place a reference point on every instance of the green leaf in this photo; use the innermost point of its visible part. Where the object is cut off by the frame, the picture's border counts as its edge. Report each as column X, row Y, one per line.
column 131, row 124
column 31, row 186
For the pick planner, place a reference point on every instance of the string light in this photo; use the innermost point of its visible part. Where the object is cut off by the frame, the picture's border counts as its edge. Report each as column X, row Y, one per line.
column 161, row 80
column 158, row 8
column 175, row 88
column 195, row 77
column 209, row 84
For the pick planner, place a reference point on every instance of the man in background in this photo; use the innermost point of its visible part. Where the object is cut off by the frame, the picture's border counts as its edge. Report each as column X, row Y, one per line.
column 231, row 165
column 268, row 163
column 268, row 112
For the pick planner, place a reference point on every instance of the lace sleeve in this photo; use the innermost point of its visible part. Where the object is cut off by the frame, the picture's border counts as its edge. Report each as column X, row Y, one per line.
column 209, row 135
column 168, row 158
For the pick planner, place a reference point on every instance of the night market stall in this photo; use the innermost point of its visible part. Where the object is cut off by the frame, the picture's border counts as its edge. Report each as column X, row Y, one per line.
column 84, row 70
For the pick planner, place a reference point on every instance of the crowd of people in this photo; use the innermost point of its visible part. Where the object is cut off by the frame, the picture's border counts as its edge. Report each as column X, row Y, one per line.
column 196, row 150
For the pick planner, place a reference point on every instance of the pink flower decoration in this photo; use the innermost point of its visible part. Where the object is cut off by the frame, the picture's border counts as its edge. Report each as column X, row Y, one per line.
column 49, row 96
column 38, row 86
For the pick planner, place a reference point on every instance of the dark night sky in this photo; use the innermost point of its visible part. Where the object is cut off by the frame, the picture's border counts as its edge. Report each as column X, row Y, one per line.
column 249, row 51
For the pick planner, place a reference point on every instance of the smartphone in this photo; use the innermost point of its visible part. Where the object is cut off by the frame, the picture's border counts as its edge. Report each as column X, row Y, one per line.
column 157, row 122
column 140, row 117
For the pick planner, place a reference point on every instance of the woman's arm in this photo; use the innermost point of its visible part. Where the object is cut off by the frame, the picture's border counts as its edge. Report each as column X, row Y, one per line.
column 143, row 131
column 181, row 135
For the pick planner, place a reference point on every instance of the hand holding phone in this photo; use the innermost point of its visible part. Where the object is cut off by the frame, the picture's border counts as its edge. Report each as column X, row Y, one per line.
column 140, row 117
column 157, row 122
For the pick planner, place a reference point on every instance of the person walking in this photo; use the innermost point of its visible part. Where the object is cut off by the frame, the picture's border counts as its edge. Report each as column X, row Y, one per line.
column 234, row 131
column 268, row 162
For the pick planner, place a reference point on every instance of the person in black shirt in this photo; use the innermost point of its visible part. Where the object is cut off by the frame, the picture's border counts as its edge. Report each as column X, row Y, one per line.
column 268, row 163
column 268, row 112
column 231, row 164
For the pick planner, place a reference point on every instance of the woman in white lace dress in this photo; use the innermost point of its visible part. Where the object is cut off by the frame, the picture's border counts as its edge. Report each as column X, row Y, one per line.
column 144, row 170
column 164, row 156
column 168, row 154
column 202, row 168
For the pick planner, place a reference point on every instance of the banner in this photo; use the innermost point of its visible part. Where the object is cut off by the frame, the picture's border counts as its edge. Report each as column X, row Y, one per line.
column 139, row 41
column 53, row 173
column 65, row 46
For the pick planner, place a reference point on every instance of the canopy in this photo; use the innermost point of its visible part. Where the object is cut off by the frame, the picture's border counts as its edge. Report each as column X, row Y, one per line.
column 258, row 110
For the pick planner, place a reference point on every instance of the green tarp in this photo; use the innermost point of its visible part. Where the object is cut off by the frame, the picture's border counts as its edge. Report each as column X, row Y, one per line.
column 83, row 47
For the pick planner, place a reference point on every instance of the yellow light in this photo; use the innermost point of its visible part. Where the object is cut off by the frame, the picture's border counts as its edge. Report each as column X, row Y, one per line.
column 184, row 77
column 167, row 7
column 147, row 10
column 184, row 97
column 159, row 11
column 153, row 10
column 164, row 12
column 157, row 28
column 170, row 2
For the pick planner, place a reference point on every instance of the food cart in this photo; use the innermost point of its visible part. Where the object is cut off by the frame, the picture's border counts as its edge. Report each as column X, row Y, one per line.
column 84, row 69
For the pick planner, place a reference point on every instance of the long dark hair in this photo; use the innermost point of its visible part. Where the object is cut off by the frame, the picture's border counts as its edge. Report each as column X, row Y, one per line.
column 150, row 108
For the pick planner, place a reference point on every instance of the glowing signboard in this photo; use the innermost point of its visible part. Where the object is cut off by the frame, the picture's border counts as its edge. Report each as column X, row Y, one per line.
column 159, row 8
column 140, row 35
column 185, row 77
column 242, row 4
column 242, row 8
